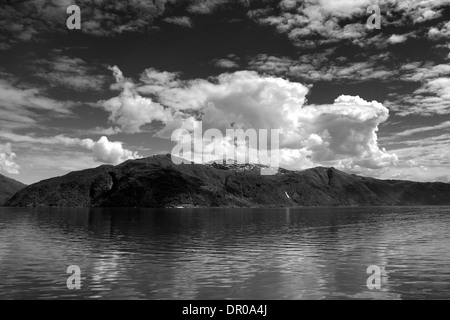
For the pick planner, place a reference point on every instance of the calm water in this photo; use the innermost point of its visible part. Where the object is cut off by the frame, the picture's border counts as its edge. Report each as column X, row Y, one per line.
column 225, row 253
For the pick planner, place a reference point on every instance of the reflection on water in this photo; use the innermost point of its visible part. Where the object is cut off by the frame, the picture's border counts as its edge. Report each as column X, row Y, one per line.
column 225, row 253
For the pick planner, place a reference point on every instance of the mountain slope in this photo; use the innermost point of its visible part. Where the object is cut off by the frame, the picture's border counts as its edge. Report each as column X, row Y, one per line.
column 157, row 182
column 8, row 187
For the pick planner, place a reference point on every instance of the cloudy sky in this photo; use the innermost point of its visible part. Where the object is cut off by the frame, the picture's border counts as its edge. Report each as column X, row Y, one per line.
column 366, row 101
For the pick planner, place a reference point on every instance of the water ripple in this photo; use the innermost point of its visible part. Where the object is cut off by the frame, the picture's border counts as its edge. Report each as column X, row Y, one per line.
column 225, row 253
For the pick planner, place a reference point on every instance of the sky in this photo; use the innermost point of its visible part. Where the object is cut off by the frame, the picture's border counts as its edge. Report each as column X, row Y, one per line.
column 373, row 102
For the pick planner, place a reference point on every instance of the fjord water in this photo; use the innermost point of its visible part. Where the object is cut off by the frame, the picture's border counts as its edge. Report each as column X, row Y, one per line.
column 320, row 253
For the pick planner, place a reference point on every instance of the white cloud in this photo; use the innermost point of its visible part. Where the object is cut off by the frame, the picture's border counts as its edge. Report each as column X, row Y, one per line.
column 422, row 160
column 26, row 20
column 301, row 20
column 14, row 98
column 433, row 97
column 409, row 132
column 109, row 152
column 425, row 71
column 241, row 100
column 130, row 111
column 158, row 79
column 437, row 33
column 180, row 21
column 343, row 132
column 209, row 6
column 226, row 64
column 345, row 8
column 22, row 107
column 348, row 132
column 395, row 38
column 7, row 157
column 104, row 151
column 321, row 67
column 425, row 14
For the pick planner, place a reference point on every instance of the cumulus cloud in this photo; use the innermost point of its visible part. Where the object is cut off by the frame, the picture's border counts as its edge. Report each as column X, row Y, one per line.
column 301, row 19
column 108, row 151
column 155, row 80
column 104, row 151
column 130, row 111
column 344, row 132
column 344, row 8
column 241, row 99
column 226, row 64
column 317, row 22
column 396, row 38
column 438, row 33
column 348, row 129
column 7, row 157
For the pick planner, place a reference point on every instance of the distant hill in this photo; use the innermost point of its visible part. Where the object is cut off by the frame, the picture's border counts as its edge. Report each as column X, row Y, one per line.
column 8, row 187
column 157, row 182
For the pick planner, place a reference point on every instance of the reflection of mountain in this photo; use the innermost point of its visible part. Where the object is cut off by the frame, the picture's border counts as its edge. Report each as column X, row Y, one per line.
column 157, row 182
column 8, row 187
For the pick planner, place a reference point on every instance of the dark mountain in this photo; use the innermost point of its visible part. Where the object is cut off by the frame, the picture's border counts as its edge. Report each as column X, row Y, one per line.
column 8, row 188
column 157, row 182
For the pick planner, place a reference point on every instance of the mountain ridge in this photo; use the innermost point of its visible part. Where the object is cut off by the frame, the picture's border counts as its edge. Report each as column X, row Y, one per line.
column 158, row 182
column 8, row 187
